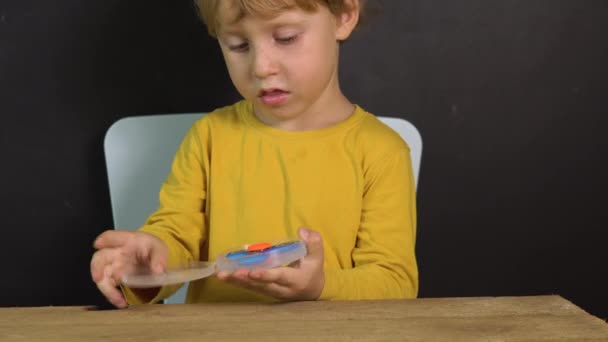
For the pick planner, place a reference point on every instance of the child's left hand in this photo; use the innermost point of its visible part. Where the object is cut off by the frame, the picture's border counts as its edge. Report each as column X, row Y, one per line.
column 304, row 282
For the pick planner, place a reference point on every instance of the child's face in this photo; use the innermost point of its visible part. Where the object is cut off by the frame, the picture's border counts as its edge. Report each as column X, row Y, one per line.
column 285, row 65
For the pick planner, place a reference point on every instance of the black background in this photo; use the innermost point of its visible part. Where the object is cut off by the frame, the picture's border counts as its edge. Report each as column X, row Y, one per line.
column 509, row 96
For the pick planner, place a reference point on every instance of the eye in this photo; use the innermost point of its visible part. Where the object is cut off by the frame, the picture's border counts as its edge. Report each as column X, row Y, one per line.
column 243, row 47
column 286, row 40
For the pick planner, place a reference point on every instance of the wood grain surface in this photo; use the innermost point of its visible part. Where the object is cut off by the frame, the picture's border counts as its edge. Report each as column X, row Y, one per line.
column 538, row 318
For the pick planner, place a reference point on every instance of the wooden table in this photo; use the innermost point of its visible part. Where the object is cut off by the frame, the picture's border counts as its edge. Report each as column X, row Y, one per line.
column 546, row 318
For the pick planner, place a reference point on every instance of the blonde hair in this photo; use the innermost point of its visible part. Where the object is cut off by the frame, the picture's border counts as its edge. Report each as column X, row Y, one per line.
column 207, row 9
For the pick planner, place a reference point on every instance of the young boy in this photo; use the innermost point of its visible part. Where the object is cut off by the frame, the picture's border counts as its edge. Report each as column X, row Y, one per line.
column 294, row 153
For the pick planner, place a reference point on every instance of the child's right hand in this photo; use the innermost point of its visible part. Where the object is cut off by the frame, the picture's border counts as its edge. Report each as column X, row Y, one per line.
column 122, row 252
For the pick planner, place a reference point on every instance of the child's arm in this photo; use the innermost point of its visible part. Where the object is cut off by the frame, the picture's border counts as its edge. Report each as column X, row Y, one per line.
column 384, row 262
column 384, row 256
column 180, row 219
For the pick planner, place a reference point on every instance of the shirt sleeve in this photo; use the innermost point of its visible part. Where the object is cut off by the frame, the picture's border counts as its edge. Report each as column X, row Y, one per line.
column 180, row 219
column 384, row 261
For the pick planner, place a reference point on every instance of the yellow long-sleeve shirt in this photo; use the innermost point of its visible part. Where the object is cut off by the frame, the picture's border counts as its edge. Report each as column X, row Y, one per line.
column 235, row 180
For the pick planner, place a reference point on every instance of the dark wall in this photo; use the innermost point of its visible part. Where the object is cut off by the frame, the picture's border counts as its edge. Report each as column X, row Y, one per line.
column 509, row 97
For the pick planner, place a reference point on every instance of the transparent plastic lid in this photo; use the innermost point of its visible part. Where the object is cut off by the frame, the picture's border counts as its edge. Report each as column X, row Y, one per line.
column 190, row 272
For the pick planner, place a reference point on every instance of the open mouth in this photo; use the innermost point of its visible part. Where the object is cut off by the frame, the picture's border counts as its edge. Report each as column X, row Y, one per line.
column 273, row 96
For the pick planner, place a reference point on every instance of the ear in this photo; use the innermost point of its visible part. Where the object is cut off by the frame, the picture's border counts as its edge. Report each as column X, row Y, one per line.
column 347, row 21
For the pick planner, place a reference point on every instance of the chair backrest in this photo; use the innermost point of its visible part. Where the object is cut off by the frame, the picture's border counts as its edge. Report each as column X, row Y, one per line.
column 410, row 134
column 139, row 151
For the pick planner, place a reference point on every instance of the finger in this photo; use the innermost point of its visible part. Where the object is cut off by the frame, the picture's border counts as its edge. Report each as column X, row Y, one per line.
column 233, row 278
column 158, row 258
column 99, row 261
column 222, row 275
column 242, row 278
column 109, row 262
column 313, row 241
column 118, row 269
column 268, row 288
column 112, row 238
column 240, row 273
column 108, row 288
column 274, row 290
column 284, row 276
column 239, row 277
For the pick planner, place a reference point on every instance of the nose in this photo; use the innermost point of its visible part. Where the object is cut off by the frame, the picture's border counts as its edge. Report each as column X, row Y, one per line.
column 264, row 62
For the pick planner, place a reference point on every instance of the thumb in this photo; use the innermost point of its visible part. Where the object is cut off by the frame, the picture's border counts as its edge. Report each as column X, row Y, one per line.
column 313, row 241
column 158, row 257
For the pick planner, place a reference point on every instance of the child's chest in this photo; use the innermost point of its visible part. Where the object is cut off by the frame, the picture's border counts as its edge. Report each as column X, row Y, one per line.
column 281, row 187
